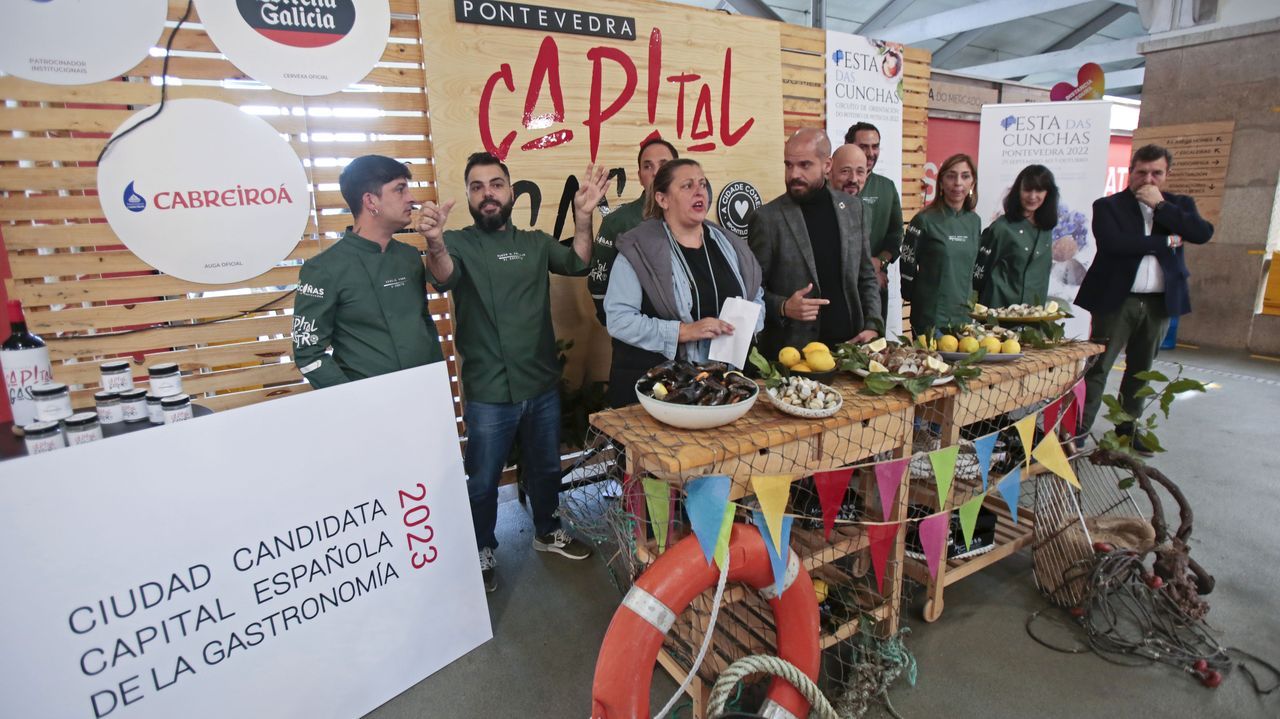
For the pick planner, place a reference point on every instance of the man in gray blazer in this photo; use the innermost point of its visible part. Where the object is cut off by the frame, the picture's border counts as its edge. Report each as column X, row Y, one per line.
column 812, row 245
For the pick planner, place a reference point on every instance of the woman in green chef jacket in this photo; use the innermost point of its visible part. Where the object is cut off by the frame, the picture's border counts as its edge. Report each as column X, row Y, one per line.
column 940, row 250
column 1017, row 249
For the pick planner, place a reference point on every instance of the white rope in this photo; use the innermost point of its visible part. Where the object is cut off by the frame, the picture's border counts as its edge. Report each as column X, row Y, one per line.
column 706, row 640
column 761, row 664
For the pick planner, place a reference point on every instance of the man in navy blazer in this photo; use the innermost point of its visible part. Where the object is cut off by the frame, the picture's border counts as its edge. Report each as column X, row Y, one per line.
column 1138, row 279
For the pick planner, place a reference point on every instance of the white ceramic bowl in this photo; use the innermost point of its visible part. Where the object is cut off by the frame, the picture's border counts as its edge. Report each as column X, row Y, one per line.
column 806, row 412
column 693, row 416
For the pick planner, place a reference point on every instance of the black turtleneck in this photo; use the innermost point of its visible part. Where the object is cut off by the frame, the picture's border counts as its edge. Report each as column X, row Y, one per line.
column 834, row 321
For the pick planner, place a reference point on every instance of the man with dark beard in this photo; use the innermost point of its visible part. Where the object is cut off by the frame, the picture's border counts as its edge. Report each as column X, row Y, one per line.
column 510, row 375
column 811, row 243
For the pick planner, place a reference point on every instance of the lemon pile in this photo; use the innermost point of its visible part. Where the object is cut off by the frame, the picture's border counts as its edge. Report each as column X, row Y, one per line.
column 969, row 344
column 815, row 357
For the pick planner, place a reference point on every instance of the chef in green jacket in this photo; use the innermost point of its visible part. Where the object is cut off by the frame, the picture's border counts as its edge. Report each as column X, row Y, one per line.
column 1017, row 249
column 880, row 197
column 497, row 275
column 365, row 296
column 940, row 250
column 654, row 153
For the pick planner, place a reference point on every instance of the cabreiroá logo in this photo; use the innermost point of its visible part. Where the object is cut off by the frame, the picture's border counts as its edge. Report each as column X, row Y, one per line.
column 133, row 202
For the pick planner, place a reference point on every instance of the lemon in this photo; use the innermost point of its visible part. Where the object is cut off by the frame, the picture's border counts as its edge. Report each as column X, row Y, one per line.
column 816, row 347
column 878, row 345
column 980, row 309
column 948, row 343
column 1010, row 347
column 820, row 590
column 991, row 344
column 789, row 356
column 969, row 345
column 1051, row 308
column 875, row 366
column 820, row 361
column 800, row 367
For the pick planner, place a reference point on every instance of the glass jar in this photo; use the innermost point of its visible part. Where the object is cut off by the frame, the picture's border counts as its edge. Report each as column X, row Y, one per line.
column 82, row 428
column 116, row 376
column 53, row 402
column 176, row 408
column 133, row 405
column 155, row 413
column 41, row 437
column 108, row 405
column 166, row 379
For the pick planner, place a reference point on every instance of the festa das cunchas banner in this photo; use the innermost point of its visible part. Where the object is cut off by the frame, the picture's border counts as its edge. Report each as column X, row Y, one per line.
column 243, row 562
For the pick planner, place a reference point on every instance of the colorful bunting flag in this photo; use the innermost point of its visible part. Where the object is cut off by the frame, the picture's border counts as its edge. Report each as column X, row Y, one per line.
column 1027, row 433
column 773, row 490
column 634, row 492
column 1075, row 411
column 984, row 446
column 1050, row 413
column 888, row 479
column 933, row 537
column 1050, row 454
column 831, row 488
column 658, row 498
column 969, row 518
column 881, row 536
column 1010, row 488
column 944, row 468
column 705, row 501
column 778, row 559
column 722, row 542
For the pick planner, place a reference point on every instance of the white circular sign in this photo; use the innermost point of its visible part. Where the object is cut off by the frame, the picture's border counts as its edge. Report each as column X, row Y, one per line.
column 77, row 42
column 306, row 48
column 205, row 192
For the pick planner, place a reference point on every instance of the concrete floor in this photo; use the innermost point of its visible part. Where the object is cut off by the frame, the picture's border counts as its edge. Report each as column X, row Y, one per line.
column 549, row 614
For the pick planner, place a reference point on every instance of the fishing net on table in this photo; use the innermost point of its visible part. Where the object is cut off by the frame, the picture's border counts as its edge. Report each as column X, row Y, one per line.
column 628, row 498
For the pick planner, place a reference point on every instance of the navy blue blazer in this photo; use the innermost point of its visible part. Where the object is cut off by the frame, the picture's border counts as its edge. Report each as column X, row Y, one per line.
column 1123, row 242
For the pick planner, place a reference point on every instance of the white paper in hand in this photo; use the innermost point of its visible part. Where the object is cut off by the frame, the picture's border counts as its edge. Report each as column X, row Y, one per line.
column 732, row 349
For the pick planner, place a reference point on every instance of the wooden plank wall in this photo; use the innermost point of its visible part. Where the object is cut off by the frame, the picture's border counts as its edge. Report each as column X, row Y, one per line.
column 91, row 299
column 1201, row 154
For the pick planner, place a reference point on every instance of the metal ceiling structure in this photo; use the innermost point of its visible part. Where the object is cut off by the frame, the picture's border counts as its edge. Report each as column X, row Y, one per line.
column 1039, row 42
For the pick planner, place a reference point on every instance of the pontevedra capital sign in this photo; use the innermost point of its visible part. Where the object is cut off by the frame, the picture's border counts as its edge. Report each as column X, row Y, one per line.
column 544, row 18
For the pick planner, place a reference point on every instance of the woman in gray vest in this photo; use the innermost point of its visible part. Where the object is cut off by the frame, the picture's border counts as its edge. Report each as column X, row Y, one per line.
column 672, row 275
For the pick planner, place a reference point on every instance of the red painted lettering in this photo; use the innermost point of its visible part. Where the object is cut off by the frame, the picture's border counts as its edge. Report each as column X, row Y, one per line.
column 655, row 72
column 681, row 80
column 596, row 117
column 700, row 111
column 486, row 135
column 730, row 138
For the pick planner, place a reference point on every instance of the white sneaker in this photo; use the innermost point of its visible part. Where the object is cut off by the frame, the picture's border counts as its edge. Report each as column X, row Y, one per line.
column 488, row 569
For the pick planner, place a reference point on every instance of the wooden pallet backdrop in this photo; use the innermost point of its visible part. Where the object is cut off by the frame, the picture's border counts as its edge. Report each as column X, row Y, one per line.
column 91, row 299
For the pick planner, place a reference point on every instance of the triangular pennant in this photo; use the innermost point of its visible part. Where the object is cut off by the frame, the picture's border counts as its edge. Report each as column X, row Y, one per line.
column 881, row 536
column 776, row 558
column 969, row 518
column 933, row 537
column 1071, row 420
column 888, row 480
column 831, row 488
column 634, row 492
column 983, row 447
column 1049, row 453
column 944, row 468
column 1027, row 433
column 773, row 490
column 705, row 498
column 722, row 541
column 658, row 497
column 1050, row 414
column 1010, row 489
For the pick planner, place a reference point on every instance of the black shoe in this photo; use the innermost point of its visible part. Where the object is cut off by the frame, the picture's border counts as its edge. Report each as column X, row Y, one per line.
column 559, row 542
column 489, row 570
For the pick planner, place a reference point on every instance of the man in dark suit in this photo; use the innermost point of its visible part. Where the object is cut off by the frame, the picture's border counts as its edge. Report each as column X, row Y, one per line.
column 1138, row 279
column 812, row 245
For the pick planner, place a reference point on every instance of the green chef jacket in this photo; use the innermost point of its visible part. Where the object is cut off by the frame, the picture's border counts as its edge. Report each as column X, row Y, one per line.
column 881, row 199
column 940, row 250
column 501, row 293
column 603, row 252
column 370, row 306
column 1014, row 264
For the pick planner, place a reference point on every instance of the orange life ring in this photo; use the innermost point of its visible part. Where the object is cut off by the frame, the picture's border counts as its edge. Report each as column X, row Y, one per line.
column 624, row 670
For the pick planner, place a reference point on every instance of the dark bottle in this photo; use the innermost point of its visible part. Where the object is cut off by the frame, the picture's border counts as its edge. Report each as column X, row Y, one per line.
column 25, row 362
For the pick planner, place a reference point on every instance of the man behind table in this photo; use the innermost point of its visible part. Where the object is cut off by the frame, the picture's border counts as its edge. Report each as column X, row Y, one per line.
column 1138, row 280
column 366, row 295
column 818, row 281
column 885, row 204
column 848, row 172
column 654, row 153
column 510, row 375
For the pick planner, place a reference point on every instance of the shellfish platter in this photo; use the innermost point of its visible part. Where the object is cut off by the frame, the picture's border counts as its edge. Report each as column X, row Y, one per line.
column 707, row 384
column 804, row 397
column 1014, row 314
column 885, row 365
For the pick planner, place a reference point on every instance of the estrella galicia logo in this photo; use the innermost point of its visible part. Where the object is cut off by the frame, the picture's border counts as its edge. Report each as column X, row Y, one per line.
column 737, row 201
column 133, row 202
column 1008, row 122
column 312, row 24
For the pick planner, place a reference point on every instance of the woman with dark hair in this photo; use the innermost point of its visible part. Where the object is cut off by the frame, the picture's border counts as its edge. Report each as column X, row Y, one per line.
column 940, row 249
column 671, row 277
column 1017, row 249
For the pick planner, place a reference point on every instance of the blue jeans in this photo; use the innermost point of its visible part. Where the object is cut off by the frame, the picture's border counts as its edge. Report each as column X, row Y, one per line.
column 491, row 431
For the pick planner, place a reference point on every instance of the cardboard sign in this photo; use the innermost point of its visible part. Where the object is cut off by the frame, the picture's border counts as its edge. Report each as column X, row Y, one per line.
column 66, row 42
